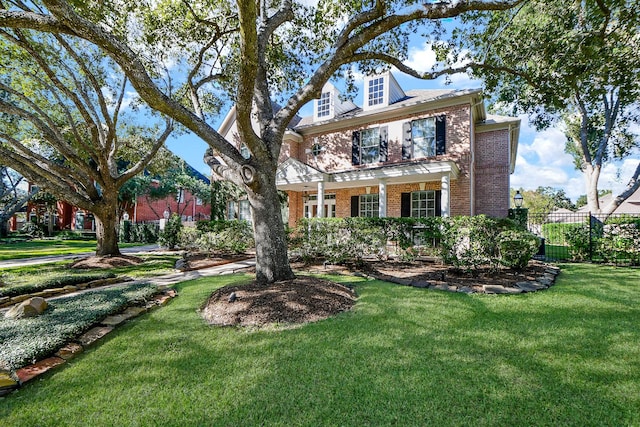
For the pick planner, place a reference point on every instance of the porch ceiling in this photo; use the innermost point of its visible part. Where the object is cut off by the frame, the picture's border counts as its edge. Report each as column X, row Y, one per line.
column 294, row 175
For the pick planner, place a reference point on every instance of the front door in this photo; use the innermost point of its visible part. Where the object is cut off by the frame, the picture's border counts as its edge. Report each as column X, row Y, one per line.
column 311, row 206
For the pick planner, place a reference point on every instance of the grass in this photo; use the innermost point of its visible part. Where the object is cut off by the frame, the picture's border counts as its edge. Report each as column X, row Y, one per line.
column 37, row 248
column 403, row 356
column 64, row 319
column 27, row 279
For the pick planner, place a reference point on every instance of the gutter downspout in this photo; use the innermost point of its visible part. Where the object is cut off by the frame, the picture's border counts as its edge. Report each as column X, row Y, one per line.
column 472, row 166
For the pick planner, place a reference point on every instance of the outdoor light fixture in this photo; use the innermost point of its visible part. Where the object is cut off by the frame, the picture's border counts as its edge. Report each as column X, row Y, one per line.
column 125, row 216
column 166, row 214
column 518, row 200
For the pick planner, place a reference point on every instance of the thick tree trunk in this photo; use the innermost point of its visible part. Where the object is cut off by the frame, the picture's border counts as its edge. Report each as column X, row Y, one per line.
column 107, row 232
column 272, row 261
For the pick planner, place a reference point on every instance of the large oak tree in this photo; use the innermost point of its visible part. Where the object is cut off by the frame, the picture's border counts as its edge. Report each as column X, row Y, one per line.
column 251, row 52
column 61, row 124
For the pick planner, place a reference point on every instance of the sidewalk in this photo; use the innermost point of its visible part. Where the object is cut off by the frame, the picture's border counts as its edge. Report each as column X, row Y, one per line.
column 21, row 262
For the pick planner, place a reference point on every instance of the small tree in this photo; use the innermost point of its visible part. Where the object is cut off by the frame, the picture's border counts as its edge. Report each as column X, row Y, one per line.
column 170, row 236
column 12, row 199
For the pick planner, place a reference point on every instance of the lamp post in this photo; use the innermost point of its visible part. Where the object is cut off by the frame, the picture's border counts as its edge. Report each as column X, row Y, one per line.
column 518, row 200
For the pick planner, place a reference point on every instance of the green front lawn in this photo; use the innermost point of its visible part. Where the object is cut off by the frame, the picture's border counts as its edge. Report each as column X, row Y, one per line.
column 36, row 248
column 403, row 356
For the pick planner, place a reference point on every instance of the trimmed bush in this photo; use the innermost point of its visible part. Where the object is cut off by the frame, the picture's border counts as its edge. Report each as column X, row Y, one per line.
column 169, row 237
column 517, row 247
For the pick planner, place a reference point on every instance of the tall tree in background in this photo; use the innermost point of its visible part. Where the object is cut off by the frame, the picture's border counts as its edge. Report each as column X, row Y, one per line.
column 12, row 198
column 574, row 61
column 247, row 51
column 61, row 127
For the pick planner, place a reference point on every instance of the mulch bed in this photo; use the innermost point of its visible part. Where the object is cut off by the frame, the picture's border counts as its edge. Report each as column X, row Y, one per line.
column 301, row 300
column 107, row 262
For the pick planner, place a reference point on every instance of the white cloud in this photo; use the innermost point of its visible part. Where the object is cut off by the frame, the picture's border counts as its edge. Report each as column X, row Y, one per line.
column 615, row 176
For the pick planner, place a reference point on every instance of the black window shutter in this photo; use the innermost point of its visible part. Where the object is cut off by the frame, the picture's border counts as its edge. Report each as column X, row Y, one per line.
column 405, row 205
column 384, row 143
column 438, row 203
column 440, row 134
column 355, row 148
column 355, row 206
column 407, row 141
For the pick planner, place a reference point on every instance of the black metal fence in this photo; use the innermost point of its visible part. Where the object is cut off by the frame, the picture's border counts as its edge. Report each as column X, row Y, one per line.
column 582, row 236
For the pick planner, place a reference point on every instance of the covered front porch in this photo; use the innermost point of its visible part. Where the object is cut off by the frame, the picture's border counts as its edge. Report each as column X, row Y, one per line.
column 313, row 193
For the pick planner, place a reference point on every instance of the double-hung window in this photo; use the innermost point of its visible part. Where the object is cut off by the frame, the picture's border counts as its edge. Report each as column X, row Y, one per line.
column 423, row 134
column 370, row 146
column 424, row 138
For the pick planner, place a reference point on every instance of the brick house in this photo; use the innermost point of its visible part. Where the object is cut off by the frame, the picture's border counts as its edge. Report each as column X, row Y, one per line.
column 144, row 209
column 414, row 153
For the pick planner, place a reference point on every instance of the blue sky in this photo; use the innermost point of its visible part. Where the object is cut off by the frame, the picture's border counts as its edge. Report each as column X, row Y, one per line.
column 541, row 158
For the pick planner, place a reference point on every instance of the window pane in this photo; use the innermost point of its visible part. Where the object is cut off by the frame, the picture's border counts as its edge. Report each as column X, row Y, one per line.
column 376, row 91
column 423, row 134
column 370, row 146
column 324, row 105
column 423, row 204
column 369, row 205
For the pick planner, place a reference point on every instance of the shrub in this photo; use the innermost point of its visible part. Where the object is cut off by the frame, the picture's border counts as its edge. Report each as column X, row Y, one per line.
column 620, row 240
column 579, row 240
column 225, row 236
column 188, row 238
column 169, row 237
column 468, row 242
column 517, row 247
column 32, row 230
column 125, row 232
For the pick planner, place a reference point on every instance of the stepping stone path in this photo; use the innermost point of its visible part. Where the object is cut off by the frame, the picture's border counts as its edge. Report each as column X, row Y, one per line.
column 10, row 381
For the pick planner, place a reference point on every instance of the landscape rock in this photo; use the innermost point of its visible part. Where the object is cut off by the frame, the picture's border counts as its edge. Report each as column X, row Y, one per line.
column 181, row 264
column 498, row 289
column 29, row 372
column 69, row 351
column 8, row 383
column 94, row 334
column 28, row 308
column 530, row 286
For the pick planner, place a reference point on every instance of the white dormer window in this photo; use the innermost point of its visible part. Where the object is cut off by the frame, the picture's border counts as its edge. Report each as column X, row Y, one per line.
column 381, row 91
column 376, row 91
column 324, row 105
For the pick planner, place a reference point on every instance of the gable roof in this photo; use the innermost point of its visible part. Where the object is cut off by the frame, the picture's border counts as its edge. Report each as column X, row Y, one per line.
column 629, row 206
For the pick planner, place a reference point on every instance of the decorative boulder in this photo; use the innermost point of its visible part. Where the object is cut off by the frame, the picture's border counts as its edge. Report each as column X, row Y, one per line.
column 27, row 308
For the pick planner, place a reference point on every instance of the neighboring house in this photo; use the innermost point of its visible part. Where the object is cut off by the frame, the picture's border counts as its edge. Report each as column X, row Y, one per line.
column 631, row 206
column 416, row 153
column 69, row 217
column 185, row 204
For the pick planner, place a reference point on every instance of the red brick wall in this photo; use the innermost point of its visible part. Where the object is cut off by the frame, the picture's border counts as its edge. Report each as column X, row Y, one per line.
column 152, row 210
column 492, row 173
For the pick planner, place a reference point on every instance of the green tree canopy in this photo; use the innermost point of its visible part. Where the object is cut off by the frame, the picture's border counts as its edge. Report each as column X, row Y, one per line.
column 573, row 61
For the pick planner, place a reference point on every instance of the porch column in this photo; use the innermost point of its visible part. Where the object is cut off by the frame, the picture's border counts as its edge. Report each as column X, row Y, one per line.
column 382, row 198
column 320, row 199
column 444, row 197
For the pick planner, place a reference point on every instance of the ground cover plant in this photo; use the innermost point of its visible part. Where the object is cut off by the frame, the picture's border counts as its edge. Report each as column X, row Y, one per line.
column 401, row 356
column 37, row 248
column 33, row 278
column 27, row 339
